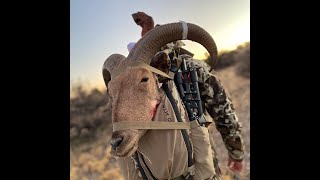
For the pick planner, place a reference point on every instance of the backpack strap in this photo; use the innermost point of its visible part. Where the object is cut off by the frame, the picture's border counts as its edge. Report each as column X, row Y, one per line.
column 140, row 168
column 145, row 164
column 178, row 116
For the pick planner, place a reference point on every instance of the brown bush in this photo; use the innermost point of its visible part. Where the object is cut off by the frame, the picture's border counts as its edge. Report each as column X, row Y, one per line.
column 89, row 112
column 239, row 57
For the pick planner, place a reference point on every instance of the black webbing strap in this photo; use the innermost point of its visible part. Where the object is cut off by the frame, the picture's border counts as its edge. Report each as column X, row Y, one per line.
column 183, row 131
column 145, row 164
column 143, row 174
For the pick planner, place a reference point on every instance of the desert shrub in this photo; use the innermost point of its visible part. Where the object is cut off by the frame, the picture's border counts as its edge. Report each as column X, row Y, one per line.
column 239, row 57
column 88, row 113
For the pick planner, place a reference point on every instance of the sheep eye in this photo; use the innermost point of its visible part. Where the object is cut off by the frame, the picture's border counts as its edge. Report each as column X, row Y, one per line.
column 144, row 79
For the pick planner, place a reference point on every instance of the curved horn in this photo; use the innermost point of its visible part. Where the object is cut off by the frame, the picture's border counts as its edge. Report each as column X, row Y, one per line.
column 152, row 41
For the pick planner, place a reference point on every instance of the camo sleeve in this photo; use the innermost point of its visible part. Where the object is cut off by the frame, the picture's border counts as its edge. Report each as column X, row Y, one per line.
column 219, row 105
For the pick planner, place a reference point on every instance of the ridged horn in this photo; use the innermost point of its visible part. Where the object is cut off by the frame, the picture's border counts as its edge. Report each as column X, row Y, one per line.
column 159, row 36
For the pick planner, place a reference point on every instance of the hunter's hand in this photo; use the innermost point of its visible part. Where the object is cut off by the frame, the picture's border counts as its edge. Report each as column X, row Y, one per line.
column 234, row 165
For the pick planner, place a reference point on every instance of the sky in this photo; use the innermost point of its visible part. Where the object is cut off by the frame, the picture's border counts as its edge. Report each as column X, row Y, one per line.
column 99, row 28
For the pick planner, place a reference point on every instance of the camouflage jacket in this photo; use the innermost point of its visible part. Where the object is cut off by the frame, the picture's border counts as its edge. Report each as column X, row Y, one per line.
column 216, row 102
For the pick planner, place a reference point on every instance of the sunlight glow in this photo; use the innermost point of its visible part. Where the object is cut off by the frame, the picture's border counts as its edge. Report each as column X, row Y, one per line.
column 229, row 39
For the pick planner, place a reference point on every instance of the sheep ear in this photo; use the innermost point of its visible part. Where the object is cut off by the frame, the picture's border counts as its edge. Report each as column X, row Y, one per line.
column 161, row 61
column 106, row 76
column 109, row 65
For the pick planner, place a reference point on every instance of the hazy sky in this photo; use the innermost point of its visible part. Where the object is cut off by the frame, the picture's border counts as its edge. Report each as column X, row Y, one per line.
column 99, row 28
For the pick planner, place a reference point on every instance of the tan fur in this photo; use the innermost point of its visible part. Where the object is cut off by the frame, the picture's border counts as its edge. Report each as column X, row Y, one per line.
column 132, row 101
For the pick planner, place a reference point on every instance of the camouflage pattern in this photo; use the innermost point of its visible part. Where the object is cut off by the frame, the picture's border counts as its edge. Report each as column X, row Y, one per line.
column 216, row 101
column 219, row 105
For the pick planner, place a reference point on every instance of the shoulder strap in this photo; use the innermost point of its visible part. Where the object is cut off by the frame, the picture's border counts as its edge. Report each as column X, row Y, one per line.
column 183, row 131
column 140, row 168
column 144, row 162
column 143, row 174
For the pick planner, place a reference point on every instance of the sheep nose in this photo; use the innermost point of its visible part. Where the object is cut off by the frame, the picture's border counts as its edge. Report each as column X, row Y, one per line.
column 116, row 142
